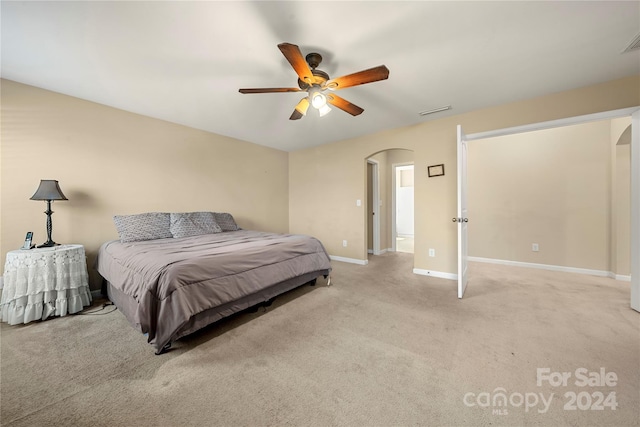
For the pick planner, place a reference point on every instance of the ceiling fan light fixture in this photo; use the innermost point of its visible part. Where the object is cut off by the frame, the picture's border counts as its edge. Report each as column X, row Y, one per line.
column 318, row 85
column 318, row 100
column 324, row 110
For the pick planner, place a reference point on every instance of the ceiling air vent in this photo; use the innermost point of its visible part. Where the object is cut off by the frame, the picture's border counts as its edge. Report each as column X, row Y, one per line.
column 634, row 45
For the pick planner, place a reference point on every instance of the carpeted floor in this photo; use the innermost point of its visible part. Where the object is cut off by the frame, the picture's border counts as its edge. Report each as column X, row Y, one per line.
column 380, row 347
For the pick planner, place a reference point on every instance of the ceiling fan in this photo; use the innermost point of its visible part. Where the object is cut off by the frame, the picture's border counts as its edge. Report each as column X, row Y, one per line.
column 318, row 85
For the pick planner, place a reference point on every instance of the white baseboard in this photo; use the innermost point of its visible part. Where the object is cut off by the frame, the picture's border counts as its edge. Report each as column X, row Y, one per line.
column 380, row 252
column 349, row 260
column 600, row 273
column 432, row 273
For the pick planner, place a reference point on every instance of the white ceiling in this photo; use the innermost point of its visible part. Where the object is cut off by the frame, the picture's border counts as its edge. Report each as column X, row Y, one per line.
column 185, row 61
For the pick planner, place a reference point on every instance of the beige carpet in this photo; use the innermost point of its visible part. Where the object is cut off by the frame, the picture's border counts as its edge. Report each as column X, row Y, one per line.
column 380, row 347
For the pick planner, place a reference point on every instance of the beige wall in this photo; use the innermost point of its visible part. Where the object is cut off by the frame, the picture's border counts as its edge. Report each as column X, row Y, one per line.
column 622, row 248
column 111, row 162
column 325, row 181
column 551, row 187
column 621, row 196
column 370, row 207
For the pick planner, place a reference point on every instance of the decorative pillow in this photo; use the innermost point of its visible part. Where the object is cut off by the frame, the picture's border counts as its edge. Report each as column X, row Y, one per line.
column 193, row 224
column 144, row 226
column 226, row 221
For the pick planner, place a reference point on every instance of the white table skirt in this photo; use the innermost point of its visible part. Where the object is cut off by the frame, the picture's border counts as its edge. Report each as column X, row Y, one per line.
column 44, row 282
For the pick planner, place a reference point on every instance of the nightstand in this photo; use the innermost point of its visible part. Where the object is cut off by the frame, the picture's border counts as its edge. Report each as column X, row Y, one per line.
column 44, row 282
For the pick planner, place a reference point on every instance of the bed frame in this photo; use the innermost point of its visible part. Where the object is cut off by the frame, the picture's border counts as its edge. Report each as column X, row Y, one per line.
column 128, row 305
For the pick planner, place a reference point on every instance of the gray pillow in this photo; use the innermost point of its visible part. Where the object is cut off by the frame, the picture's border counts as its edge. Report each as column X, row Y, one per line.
column 144, row 226
column 193, row 224
column 226, row 221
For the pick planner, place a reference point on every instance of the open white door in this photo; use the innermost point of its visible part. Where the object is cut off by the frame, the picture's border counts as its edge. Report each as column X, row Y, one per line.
column 635, row 210
column 462, row 219
column 635, row 186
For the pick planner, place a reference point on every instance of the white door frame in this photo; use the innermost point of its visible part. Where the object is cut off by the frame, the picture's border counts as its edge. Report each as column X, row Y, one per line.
column 394, row 232
column 375, row 191
column 635, row 210
column 634, row 112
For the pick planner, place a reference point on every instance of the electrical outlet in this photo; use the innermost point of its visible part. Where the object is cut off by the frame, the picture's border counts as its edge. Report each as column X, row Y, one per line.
column 344, row 243
column 432, row 252
column 535, row 247
column 358, row 202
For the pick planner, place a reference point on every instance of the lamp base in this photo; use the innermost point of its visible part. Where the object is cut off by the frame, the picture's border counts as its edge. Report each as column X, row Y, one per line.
column 48, row 244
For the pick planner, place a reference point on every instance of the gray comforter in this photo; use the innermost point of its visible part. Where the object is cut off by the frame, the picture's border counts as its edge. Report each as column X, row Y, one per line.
column 172, row 280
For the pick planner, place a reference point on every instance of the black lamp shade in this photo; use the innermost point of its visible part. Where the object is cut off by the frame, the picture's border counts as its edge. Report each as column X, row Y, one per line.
column 48, row 190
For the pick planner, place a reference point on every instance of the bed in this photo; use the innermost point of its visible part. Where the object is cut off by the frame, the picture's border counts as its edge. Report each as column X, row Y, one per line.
column 170, row 286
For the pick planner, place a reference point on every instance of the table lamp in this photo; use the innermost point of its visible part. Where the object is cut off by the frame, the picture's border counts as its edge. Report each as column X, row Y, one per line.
column 49, row 190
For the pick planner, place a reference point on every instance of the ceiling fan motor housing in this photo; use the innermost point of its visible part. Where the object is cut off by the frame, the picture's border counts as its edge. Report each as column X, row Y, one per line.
column 320, row 77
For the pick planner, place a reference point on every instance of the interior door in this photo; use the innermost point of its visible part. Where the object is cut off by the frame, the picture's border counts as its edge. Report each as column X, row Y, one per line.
column 462, row 219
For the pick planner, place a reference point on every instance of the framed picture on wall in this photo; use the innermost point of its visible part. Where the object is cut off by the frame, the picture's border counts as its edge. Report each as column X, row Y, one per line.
column 435, row 170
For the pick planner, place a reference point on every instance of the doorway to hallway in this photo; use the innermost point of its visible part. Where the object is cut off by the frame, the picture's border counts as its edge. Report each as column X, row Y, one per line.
column 403, row 208
column 380, row 202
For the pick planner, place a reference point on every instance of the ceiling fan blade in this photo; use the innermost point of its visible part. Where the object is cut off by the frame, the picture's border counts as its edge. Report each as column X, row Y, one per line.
column 297, row 61
column 301, row 109
column 271, row 90
column 367, row 76
column 343, row 104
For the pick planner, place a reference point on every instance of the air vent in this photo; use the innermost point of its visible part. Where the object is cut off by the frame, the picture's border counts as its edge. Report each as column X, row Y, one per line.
column 634, row 45
column 435, row 110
